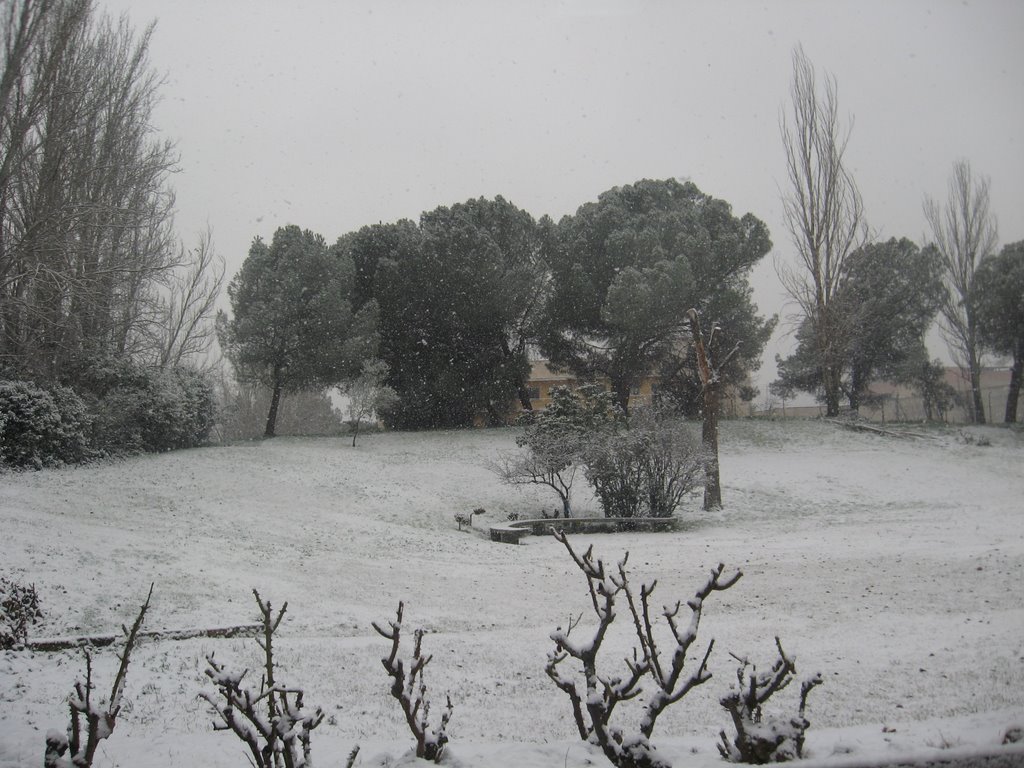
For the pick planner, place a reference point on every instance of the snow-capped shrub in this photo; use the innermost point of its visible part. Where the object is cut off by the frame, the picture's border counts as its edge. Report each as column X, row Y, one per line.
column 645, row 465
column 139, row 409
column 409, row 688
column 653, row 675
column 765, row 738
column 269, row 721
column 19, row 607
column 41, row 427
column 92, row 721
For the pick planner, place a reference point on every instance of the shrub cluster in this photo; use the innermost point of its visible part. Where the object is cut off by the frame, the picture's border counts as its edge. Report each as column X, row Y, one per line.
column 115, row 407
column 41, row 427
column 639, row 466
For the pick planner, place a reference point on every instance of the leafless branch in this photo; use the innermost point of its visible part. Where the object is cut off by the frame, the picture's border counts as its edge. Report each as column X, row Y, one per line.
column 409, row 688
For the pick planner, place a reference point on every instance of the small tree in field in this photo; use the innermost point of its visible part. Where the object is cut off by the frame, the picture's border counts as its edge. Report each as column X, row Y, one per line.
column 595, row 697
column 368, row 395
column 557, row 439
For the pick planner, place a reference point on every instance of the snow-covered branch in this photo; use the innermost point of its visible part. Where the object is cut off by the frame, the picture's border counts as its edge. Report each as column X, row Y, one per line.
column 594, row 699
column 270, row 722
column 667, row 675
column 99, row 717
column 410, row 689
column 760, row 739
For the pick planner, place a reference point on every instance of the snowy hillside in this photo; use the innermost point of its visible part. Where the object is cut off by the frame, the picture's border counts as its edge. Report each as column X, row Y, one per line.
column 893, row 567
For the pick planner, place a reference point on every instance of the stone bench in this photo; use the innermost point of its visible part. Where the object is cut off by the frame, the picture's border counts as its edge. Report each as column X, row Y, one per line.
column 514, row 530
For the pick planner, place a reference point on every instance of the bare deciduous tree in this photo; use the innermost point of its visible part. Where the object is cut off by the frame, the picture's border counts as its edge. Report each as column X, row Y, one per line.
column 538, row 468
column 965, row 232
column 823, row 212
column 85, row 203
column 184, row 329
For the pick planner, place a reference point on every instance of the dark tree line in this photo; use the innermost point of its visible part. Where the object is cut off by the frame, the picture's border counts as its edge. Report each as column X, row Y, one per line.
column 464, row 296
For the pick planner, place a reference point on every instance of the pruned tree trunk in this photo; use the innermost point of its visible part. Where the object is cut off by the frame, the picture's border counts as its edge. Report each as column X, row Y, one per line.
column 595, row 698
column 709, row 437
column 762, row 738
column 409, row 688
column 92, row 721
column 710, row 385
column 270, row 721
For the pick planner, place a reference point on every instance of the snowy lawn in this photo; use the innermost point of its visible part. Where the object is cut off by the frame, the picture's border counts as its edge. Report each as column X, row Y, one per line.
column 894, row 567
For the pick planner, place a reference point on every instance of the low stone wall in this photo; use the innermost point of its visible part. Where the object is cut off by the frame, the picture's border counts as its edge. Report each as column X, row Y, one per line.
column 512, row 531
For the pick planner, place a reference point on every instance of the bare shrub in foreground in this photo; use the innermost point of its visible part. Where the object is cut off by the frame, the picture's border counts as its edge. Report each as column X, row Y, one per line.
column 82, row 738
column 411, row 691
column 269, row 721
column 19, row 607
column 594, row 703
column 764, row 739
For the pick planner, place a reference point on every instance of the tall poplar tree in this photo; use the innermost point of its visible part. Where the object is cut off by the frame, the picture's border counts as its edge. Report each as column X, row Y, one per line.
column 824, row 214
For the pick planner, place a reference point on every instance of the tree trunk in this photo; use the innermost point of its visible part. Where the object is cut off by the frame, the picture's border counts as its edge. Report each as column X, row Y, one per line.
column 830, row 382
column 856, row 384
column 1016, row 374
column 524, row 397
column 275, row 401
column 978, row 414
column 522, row 391
column 621, row 388
column 709, row 428
column 709, row 437
column 566, row 509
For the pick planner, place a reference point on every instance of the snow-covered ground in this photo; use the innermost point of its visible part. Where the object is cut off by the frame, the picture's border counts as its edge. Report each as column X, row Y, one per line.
column 894, row 567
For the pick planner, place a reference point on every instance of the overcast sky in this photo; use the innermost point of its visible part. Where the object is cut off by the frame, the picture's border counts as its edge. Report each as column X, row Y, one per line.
column 334, row 115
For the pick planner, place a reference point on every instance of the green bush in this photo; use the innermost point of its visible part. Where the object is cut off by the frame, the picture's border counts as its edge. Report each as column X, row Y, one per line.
column 646, row 465
column 153, row 410
column 41, row 427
